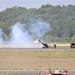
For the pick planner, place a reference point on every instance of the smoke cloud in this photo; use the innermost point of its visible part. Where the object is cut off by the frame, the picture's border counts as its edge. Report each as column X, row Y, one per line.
column 20, row 36
column 1, row 36
column 39, row 27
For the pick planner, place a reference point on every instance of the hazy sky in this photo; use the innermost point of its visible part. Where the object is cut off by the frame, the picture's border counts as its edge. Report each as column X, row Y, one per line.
column 32, row 3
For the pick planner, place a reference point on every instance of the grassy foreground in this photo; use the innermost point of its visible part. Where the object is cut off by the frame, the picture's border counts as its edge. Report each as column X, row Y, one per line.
column 31, row 60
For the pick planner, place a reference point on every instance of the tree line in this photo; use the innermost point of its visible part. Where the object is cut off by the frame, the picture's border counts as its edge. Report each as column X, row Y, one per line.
column 60, row 18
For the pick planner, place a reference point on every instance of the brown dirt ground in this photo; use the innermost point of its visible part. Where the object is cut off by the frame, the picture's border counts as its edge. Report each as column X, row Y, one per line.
column 26, row 60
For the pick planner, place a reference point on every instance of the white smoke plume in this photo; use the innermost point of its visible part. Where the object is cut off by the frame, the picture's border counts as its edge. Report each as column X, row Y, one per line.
column 19, row 35
column 39, row 27
column 22, row 37
column 1, row 36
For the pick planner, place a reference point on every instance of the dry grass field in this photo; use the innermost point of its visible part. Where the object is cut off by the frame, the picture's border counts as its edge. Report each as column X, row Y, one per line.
column 30, row 60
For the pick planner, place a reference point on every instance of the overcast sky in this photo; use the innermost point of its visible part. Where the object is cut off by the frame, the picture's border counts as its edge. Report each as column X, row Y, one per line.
column 33, row 3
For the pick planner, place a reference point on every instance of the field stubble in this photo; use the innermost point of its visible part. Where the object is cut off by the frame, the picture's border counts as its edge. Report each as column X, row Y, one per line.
column 30, row 60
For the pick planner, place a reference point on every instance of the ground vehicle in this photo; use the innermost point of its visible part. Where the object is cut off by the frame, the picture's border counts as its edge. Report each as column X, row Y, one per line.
column 72, row 45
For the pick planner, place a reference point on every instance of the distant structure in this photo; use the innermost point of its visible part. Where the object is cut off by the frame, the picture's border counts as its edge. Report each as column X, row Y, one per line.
column 72, row 45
